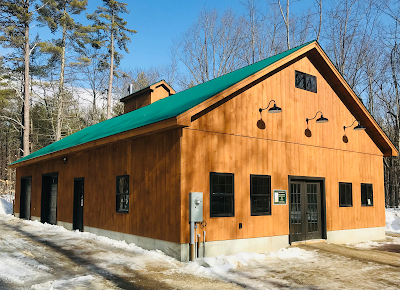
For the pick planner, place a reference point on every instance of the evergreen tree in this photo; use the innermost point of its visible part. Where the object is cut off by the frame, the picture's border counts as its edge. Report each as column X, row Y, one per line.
column 16, row 17
column 107, row 20
column 57, row 14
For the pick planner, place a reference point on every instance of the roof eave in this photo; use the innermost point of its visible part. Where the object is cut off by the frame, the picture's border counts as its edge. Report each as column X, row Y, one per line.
column 168, row 124
column 360, row 111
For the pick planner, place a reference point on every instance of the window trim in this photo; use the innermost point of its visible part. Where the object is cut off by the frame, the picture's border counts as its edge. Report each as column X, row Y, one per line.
column 372, row 191
column 233, row 195
column 351, row 192
column 251, row 193
column 117, row 194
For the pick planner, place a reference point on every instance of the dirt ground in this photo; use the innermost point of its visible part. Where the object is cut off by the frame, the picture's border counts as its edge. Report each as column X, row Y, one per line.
column 58, row 259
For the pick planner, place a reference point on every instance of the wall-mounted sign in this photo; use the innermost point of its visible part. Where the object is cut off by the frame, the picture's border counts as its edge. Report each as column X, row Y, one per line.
column 279, row 196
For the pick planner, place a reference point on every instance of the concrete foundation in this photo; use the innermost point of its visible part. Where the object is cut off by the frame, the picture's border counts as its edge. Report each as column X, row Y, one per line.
column 356, row 235
column 176, row 250
column 66, row 225
column 229, row 247
column 256, row 245
column 213, row 249
column 35, row 218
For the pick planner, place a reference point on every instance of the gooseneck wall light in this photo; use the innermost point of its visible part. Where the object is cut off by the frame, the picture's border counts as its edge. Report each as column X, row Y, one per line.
column 321, row 119
column 359, row 127
column 274, row 109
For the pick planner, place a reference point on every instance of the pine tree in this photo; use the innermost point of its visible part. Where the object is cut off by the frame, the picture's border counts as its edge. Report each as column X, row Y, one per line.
column 16, row 17
column 107, row 20
column 57, row 14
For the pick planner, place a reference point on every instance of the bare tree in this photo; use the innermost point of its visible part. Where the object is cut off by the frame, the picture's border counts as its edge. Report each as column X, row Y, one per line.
column 319, row 9
column 251, row 31
column 286, row 21
column 211, row 47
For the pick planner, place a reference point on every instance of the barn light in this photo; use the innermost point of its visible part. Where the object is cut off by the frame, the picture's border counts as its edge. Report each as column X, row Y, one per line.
column 321, row 119
column 65, row 160
column 274, row 109
column 359, row 127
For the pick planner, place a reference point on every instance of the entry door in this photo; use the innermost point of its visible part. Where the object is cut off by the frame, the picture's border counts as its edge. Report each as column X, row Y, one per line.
column 305, row 211
column 49, row 199
column 25, row 198
column 78, row 204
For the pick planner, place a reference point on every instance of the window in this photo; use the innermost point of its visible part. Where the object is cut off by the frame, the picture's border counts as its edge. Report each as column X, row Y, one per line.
column 305, row 81
column 311, row 83
column 345, row 194
column 300, row 80
column 123, row 193
column 260, row 194
column 221, row 195
column 367, row 195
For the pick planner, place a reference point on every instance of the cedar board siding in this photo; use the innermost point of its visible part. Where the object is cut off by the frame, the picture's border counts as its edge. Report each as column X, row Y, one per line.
column 153, row 165
column 228, row 140
column 137, row 102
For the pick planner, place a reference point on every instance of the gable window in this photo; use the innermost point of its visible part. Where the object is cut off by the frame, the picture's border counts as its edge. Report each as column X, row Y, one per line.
column 123, row 193
column 305, row 81
column 345, row 194
column 367, row 195
column 260, row 194
column 221, row 195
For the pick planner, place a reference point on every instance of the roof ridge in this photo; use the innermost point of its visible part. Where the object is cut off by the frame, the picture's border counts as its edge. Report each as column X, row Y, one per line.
column 257, row 62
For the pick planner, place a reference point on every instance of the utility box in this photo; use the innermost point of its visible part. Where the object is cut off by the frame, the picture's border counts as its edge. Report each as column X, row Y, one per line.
column 195, row 207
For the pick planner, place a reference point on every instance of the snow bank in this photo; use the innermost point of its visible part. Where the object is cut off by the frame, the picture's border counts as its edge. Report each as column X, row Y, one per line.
column 393, row 220
column 221, row 265
column 5, row 206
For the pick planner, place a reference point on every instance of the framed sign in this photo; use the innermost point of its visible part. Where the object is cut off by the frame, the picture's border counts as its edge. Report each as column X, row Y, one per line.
column 279, row 196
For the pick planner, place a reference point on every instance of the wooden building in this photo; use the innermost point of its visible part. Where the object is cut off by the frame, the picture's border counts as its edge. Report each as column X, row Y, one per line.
column 268, row 180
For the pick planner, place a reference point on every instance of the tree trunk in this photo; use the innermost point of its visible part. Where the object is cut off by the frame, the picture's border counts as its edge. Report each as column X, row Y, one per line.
column 26, row 91
column 396, row 188
column 320, row 19
column 287, row 25
column 109, row 93
column 61, row 87
column 390, row 185
column 286, row 20
column 396, row 88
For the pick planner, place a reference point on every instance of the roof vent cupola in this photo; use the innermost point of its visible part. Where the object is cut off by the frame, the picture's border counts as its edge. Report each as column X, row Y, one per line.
column 146, row 96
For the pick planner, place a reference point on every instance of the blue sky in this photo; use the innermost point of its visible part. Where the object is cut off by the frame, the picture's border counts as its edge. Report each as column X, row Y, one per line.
column 157, row 24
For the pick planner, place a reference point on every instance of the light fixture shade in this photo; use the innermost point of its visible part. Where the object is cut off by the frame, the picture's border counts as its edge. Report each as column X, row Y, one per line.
column 275, row 109
column 359, row 127
column 322, row 119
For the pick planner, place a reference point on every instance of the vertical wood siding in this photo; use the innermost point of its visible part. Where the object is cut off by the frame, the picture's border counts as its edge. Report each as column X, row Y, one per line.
column 228, row 140
column 153, row 166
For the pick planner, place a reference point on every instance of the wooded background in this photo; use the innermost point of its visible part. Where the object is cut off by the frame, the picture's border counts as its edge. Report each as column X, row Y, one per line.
column 52, row 88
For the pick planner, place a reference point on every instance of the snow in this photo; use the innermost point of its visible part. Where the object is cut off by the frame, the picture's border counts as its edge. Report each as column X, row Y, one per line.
column 222, row 265
column 5, row 206
column 393, row 220
column 63, row 284
column 43, row 256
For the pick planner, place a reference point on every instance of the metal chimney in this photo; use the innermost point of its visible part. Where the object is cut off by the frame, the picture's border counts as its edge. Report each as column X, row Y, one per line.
column 130, row 90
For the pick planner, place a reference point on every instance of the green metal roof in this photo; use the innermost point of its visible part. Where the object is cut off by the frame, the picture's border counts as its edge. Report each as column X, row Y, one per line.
column 163, row 109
